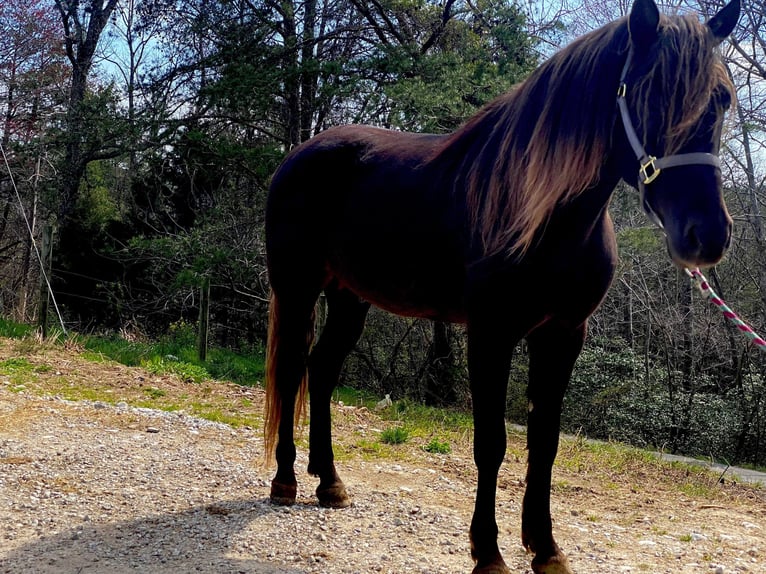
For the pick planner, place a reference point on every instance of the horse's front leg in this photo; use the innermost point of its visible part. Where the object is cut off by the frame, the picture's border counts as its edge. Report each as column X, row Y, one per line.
column 553, row 350
column 489, row 359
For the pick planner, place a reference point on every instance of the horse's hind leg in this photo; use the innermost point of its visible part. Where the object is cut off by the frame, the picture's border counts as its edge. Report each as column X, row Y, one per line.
column 345, row 321
column 291, row 332
column 553, row 350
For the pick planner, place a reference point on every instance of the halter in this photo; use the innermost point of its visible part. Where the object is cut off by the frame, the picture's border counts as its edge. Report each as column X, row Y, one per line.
column 650, row 167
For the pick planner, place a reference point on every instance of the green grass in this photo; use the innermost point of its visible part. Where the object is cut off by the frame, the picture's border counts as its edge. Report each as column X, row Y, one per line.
column 15, row 365
column 394, row 435
column 187, row 372
column 19, row 371
column 354, row 397
column 435, row 446
column 435, row 429
column 581, row 455
column 422, row 421
column 175, row 354
column 697, row 489
column 12, row 330
column 178, row 356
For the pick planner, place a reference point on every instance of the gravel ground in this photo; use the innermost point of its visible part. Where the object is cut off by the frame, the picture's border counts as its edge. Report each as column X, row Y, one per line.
column 96, row 488
column 86, row 487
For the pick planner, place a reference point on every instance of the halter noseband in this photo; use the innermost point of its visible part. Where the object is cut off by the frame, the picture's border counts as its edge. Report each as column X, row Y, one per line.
column 650, row 166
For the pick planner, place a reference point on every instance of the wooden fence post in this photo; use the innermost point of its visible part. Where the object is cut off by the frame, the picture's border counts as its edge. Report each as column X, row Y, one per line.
column 46, row 253
column 204, row 317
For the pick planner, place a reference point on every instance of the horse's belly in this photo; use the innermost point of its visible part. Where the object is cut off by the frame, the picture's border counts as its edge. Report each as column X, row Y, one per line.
column 426, row 292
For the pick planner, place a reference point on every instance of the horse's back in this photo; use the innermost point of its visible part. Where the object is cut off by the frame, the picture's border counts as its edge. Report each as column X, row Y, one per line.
column 354, row 147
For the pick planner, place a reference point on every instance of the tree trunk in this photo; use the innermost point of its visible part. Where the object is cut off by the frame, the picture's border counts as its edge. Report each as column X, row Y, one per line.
column 309, row 72
column 80, row 40
column 440, row 378
column 292, row 113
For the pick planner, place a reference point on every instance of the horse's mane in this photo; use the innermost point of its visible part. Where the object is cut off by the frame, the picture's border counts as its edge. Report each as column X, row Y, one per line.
column 545, row 142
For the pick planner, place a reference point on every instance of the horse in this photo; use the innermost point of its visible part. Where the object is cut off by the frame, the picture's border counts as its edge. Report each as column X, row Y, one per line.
column 481, row 227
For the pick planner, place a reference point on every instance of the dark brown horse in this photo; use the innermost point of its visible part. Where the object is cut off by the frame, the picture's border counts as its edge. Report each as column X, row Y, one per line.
column 482, row 226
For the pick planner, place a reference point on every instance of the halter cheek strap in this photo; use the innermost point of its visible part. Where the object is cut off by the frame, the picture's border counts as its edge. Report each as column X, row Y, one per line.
column 650, row 167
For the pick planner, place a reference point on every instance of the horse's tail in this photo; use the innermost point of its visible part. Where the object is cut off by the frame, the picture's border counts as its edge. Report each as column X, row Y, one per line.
column 274, row 393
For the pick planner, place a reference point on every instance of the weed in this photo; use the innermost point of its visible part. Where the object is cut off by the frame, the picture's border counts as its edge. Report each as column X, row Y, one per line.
column 436, row 446
column 394, row 435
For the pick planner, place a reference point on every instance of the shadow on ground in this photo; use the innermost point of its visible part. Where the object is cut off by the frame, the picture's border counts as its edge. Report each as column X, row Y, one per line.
column 205, row 539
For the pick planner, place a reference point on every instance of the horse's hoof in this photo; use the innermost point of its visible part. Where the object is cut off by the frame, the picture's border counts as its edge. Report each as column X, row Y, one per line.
column 556, row 564
column 333, row 496
column 283, row 494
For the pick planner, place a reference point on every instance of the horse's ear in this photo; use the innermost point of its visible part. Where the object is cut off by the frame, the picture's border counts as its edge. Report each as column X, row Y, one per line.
column 643, row 22
column 722, row 24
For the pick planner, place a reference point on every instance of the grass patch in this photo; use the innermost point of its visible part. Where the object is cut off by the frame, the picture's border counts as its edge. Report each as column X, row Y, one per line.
column 697, row 489
column 73, row 392
column 125, row 352
column 15, row 365
column 187, row 372
column 452, row 426
column 19, row 372
column 394, row 435
column 12, row 330
column 581, row 456
column 354, row 397
column 177, row 355
column 435, row 446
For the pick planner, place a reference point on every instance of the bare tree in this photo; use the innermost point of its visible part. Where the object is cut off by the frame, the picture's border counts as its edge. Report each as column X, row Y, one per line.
column 83, row 23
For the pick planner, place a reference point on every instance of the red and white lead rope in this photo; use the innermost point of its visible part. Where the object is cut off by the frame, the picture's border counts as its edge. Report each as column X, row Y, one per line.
column 702, row 283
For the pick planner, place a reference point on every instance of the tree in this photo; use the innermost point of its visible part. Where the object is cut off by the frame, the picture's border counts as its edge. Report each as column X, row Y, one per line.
column 32, row 72
column 82, row 24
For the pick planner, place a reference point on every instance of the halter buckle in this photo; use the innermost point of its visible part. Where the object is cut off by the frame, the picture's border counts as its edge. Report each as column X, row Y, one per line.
column 622, row 90
column 649, row 176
